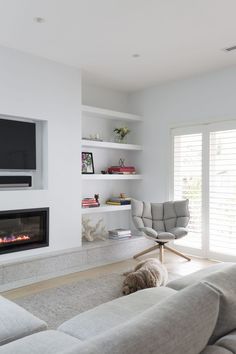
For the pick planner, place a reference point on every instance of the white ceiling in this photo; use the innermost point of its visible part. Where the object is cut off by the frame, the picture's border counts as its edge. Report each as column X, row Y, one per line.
column 175, row 38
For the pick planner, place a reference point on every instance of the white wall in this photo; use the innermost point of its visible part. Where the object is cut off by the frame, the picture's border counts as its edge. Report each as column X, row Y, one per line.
column 102, row 97
column 35, row 88
column 205, row 98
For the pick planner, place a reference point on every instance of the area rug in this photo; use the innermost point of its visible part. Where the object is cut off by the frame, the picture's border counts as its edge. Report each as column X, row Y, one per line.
column 59, row 304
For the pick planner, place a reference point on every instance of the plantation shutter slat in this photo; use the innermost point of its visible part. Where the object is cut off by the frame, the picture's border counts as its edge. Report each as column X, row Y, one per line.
column 222, row 192
column 188, row 183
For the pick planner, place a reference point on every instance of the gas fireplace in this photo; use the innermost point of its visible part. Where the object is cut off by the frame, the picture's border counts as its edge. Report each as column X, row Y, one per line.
column 24, row 229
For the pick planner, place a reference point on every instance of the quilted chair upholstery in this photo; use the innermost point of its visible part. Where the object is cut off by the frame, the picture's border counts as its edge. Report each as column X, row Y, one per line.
column 161, row 222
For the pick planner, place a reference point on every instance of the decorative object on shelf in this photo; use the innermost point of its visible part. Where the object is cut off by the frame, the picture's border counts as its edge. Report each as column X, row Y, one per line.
column 91, row 202
column 122, row 162
column 121, row 200
column 122, row 169
column 121, row 133
column 119, row 234
column 96, row 196
column 125, row 170
column 93, row 232
column 93, row 137
column 87, row 165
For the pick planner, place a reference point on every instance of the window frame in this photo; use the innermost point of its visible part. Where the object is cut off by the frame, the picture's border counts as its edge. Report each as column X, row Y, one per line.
column 205, row 130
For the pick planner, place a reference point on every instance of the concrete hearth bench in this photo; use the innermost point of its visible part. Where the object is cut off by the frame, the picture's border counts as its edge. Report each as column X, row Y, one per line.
column 192, row 315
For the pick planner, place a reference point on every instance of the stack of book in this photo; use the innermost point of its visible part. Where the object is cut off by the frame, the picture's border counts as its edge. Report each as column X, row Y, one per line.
column 118, row 170
column 90, row 203
column 119, row 234
column 118, row 201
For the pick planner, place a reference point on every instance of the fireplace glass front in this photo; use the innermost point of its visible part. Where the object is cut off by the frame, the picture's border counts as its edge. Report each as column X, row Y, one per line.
column 23, row 229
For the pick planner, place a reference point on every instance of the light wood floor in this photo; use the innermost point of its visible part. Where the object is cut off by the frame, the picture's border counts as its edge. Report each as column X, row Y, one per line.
column 173, row 263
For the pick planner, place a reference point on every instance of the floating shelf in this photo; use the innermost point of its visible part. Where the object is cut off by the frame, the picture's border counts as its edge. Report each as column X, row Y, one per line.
column 110, row 145
column 105, row 209
column 110, row 177
column 109, row 114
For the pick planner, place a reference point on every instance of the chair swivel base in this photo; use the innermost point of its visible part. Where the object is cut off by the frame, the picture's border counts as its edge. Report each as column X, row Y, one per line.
column 161, row 246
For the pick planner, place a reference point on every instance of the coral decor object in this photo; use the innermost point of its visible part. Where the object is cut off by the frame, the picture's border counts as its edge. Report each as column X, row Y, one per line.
column 93, row 232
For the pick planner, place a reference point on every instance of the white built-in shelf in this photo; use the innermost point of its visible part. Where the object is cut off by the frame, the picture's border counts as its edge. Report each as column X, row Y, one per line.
column 109, row 114
column 106, row 209
column 110, row 177
column 110, row 145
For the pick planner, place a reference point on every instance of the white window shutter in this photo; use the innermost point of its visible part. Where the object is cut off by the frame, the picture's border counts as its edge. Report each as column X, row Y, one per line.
column 222, row 192
column 188, row 183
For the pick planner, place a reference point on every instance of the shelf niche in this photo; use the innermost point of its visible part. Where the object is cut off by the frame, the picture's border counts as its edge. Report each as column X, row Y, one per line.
column 107, row 153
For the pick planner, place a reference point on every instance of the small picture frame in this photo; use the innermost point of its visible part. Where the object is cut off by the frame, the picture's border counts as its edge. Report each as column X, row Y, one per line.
column 87, row 166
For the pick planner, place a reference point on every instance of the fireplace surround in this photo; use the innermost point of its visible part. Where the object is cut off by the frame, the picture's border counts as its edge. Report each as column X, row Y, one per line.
column 24, row 229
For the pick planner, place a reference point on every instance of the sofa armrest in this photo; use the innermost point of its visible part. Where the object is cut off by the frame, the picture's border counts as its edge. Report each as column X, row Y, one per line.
column 16, row 322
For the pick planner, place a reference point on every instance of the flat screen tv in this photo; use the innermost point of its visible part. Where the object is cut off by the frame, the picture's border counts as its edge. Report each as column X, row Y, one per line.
column 17, row 145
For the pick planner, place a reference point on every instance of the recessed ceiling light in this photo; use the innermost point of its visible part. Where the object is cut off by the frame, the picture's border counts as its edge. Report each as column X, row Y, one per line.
column 136, row 55
column 39, row 19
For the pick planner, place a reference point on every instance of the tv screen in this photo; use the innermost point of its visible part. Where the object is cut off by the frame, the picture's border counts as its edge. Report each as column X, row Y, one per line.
column 17, row 145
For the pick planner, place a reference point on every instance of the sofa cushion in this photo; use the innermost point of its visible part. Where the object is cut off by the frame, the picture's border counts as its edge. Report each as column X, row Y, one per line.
column 181, row 324
column 228, row 342
column 225, row 282
column 214, row 349
column 113, row 313
column 16, row 322
column 190, row 279
column 47, row 342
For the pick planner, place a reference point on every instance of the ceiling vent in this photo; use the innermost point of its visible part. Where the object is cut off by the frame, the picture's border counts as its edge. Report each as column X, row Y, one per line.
column 230, row 49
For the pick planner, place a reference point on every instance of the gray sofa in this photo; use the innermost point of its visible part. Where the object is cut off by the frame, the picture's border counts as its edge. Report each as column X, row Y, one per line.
column 192, row 315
